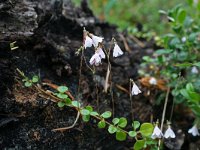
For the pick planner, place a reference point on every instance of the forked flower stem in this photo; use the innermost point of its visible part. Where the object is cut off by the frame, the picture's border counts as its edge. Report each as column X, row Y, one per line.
column 164, row 109
column 163, row 114
column 108, row 76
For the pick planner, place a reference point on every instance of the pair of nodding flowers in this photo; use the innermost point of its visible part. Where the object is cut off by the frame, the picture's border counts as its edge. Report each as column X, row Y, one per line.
column 90, row 39
column 169, row 133
column 157, row 133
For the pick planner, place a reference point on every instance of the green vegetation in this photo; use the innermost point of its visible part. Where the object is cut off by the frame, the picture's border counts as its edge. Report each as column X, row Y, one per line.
column 128, row 14
column 178, row 62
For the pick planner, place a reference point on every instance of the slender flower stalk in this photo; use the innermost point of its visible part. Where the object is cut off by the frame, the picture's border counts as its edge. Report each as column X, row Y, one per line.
column 163, row 114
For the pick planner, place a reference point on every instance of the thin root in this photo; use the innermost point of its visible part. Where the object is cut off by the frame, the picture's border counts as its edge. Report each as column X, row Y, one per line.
column 69, row 127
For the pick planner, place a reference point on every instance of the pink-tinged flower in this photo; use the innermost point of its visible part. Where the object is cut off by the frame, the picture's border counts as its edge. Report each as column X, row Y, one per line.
column 95, row 60
column 117, row 51
column 194, row 131
column 169, row 133
column 88, row 42
column 96, row 40
column 135, row 90
column 153, row 81
column 156, row 133
column 100, row 52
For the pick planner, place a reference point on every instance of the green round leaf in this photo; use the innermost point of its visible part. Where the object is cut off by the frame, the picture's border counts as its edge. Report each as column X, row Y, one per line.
column 68, row 101
column 181, row 16
column 94, row 113
column 76, row 104
column 102, row 124
column 146, row 129
column 115, row 121
column 61, row 104
column 28, row 84
column 86, row 118
column 194, row 97
column 197, row 64
column 120, row 136
column 112, row 129
column 89, row 108
column 62, row 89
column 106, row 114
column 35, row 79
column 192, row 37
column 136, row 124
column 122, row 122
column 85, row 112
column 132, row 133
column 150, row 142
column 139, row 145
column 184, row 92
column 189, row 87
column 62, row 96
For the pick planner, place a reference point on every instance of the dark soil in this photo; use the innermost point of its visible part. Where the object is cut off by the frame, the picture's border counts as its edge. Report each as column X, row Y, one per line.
column 48, row 33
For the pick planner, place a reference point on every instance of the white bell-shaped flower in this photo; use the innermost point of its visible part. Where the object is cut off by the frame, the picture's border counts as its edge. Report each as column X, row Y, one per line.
column 88, row 42
column 100, row 52
column 194, row 131
column 195, row 70
column 156, row 133
column 117, row 51
column 95, row 60
column 96, row 40
column 183, row 39
column 135, row 90
column 169, row 133
column 153, row 81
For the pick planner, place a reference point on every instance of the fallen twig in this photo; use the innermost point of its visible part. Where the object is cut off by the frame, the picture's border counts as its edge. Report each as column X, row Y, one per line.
column 137, row 41
column 125, row 43
column 122, row 88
